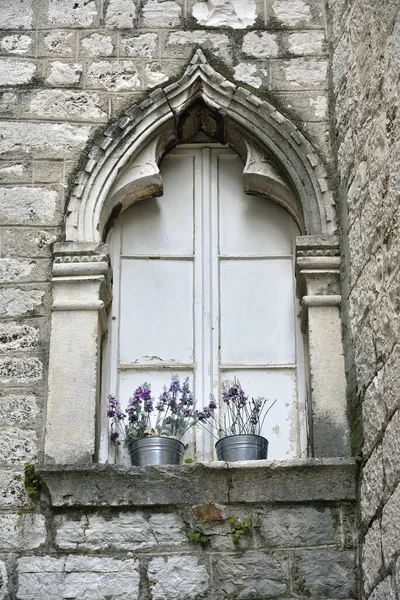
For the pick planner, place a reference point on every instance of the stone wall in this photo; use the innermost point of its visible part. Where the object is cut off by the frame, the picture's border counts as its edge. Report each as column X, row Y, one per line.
column 365, row 38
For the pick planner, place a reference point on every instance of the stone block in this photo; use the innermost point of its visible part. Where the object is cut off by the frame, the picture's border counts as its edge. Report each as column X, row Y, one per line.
column 72, row 13
column 28, row 242
column 82, row 577
column 295, row 14
column 261, row 44
column 297, row 526
column 157, row 14
column 20, row 370
column 3, row 580
column 17, row 15
column 304, row 105
column 255, row 74
column 384, row 591
column 122, row 532
column 9, row 104
column 16, row 336
column 13, row 270
column 12, row 490
column 144, row 45
column 18, row 44
column 325, row 573
column 391, row 528
column 120, row 14
column 17, row 445
column 18, row 302
column 97, row 44
column 113, row 75
column 16, row 72
column 42, row 140
column 213, row 13
column 60, row 43
column 48, row 171
column 307, row 42
column 372, row 556
column 373, row 412
column 18, row 410
column 22, row 533
column 65, row 105
column 251, row 575
column 28, row 206
column 391, row 452
column 15, row 172
column 178, row 578
column 297, row 73
column 60, row 73
column 157, row 73
column 391, row 385
column 181, row 44
column 372, row 483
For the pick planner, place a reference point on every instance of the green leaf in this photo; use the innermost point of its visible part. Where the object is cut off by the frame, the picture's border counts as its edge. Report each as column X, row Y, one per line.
column 189, row 461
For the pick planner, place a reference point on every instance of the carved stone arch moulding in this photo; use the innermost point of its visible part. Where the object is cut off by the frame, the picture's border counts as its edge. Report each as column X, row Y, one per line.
column 123, row 168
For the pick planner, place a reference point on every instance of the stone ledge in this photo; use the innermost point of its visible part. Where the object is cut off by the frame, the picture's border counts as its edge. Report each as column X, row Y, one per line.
column 201, row 483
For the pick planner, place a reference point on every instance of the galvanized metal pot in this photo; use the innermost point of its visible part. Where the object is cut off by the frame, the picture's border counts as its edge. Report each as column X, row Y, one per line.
column 156, row 451
column 242, row 447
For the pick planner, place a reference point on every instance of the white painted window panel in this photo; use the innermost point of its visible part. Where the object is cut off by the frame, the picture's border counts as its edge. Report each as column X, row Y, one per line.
column 163, row 225
column 281, row 424
column 156, row 311
column 249, row 225
column 257, row 313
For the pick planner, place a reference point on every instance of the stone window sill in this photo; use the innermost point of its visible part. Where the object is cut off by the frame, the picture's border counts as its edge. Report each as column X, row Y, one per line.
column 202, row 483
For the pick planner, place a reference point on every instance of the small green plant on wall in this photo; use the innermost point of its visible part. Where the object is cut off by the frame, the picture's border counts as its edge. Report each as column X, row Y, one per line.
column 240, row 527
column 199, row 535
column 31, row 482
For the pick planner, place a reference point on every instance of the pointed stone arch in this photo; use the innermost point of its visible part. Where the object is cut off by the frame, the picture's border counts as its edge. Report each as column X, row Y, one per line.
column 123, row 167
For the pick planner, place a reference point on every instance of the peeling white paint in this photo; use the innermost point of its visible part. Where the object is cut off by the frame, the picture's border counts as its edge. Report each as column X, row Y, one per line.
column 225, row 13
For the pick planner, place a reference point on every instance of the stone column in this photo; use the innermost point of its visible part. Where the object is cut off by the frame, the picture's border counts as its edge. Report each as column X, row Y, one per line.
column 318, row 269
column 80, row 296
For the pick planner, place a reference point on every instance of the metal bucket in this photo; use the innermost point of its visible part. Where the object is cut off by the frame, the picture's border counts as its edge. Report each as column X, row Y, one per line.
column 242, row 447
column 156, row 451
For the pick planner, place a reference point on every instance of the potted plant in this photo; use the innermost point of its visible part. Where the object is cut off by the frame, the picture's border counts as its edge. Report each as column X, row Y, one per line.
column 153, row 431
column 238, row 434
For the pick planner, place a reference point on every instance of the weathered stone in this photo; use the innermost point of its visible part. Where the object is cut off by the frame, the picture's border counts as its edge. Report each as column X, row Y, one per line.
column 391, row 452
column 23, row 205
column 20, row 370
column 304, row 43
column 26, row 532
column 140, row 46
column 391, row 382
column 60, row 104
column 57, row 43
column 325, row 573
column 304, row 106
column 17, row 15
column 42, row 140
column 16, row 72
column 113, row 76
column 181, row 44
column 121, row 14
column 299, row 72
column 373, row 412
column 16, row 302
column 303, row 526
column 72, row 13
column 154, row 75
column 82, row 577
column 17, row 445
column 28, row 242
column 11, row 491
column 97, row 44
column 260, row 44
column 63, row 73
column 391, row 528
column 221, row 13
column 17, row 43
column 207, row 512
column 372, row 485
column 22, row 269
column 384, row 591
column 8, row 104
column 251, row 73
column 19, row 410
column 161, row 14
column 251, row 575
column 15, row 172
column 3, row 580
column 14, row 336
column 292, row 13
column 123, row 532
column 372, row 556
column 178, row 578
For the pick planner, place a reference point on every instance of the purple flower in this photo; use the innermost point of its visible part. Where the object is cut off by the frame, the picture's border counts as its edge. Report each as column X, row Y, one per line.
column 114, row 437
column 175, row 386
